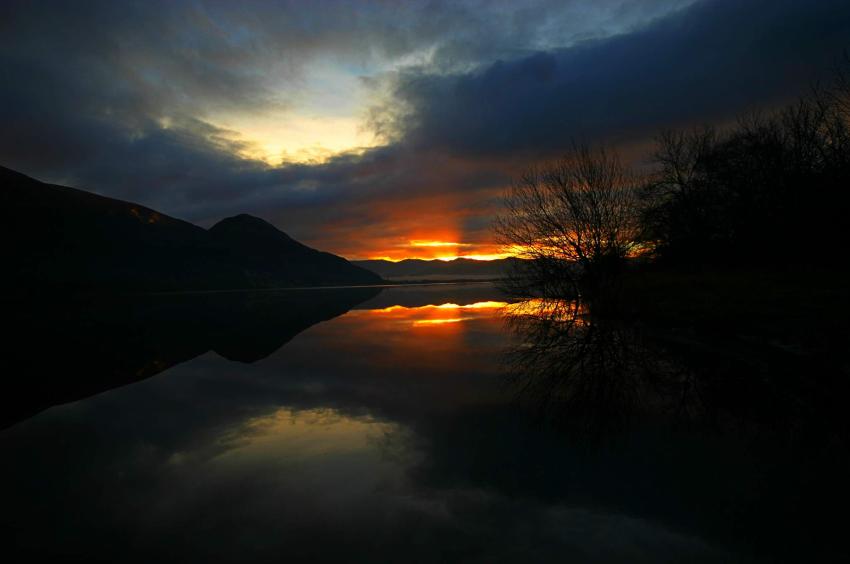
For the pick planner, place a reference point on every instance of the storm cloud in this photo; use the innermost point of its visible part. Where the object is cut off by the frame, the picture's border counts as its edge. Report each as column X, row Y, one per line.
column 717, row 58
column 124, row 98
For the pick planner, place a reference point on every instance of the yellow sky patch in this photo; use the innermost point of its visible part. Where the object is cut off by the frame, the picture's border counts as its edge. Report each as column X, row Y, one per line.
column 291, row 138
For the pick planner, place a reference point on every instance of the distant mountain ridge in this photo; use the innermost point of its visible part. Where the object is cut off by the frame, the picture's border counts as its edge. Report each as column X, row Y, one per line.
column 436, row 268
column 272, row 257
column 64, row 238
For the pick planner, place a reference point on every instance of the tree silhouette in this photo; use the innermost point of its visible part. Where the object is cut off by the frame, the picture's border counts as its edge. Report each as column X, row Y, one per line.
column 767, row 190
column 576, row 219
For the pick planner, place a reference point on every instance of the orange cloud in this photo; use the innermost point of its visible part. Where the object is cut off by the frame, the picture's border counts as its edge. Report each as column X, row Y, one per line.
column 409, row 206
column 443, row 226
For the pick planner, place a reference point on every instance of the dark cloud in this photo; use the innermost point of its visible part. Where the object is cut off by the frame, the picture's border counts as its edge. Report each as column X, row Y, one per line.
column 122, row 97
column 710, row 61
column 90, row 87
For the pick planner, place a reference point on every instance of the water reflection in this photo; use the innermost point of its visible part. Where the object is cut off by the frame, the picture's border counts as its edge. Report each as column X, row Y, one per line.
column 592, row 373
column 442, row 314
column 374, row 437
column 60, row 350
column 595, row 375
column 612, row 384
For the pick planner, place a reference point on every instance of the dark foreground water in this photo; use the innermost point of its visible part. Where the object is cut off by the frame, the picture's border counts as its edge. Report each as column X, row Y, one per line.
column 408, row 425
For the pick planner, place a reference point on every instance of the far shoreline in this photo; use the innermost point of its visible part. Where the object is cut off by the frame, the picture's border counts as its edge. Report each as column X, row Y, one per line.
column 389, row 284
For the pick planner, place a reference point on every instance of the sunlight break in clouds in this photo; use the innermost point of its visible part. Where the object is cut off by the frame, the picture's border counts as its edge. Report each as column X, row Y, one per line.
column 307, row 139
column 320, row 116
column 404, row 120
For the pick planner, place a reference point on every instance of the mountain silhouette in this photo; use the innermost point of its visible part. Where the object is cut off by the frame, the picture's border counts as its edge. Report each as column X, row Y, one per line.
column 271, row 257
column 69, row 239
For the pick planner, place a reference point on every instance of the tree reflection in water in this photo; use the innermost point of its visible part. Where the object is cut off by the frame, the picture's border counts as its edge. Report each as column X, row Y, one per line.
column 593, row 374
column 596, row 375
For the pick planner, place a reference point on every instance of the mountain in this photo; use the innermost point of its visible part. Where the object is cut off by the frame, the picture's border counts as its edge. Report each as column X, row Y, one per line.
column 271, row 257
column 418, row 269
column 63, row 238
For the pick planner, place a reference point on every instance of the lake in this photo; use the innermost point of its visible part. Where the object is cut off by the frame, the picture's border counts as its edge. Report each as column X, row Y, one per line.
column 408, row 424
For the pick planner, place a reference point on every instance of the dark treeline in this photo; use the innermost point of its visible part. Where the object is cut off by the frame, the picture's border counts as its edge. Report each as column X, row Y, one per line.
column 767, row 191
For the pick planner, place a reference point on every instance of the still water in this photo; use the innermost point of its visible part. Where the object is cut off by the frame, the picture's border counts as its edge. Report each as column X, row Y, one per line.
column 412, row 424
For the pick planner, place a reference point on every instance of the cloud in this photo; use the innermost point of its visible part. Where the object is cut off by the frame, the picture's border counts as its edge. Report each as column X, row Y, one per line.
column 704, row 63
column 124, row 98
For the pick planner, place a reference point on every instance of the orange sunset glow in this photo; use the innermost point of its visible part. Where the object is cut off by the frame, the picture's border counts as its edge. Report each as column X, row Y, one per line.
column 444, row 225
column 442, row 250
column 430, row 315
column 439, row 281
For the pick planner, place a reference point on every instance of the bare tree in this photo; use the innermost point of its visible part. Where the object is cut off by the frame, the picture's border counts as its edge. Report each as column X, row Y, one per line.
column 591, row 373
column 678, row 199
column 576, row 219
column 839, row 89
column 680, row 156
column 729, row 196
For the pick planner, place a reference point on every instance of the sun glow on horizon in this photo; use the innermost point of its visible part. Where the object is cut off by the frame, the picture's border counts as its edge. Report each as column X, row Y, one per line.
column 445, row 258
column 421, row 243
column 470, row 251
column 447, row 305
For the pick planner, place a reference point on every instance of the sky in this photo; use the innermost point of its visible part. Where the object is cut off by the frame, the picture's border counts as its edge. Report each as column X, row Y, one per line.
column 378, row 129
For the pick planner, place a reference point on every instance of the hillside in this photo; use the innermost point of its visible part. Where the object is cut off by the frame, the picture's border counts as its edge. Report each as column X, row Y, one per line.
column 271, row 257
column 69, row 239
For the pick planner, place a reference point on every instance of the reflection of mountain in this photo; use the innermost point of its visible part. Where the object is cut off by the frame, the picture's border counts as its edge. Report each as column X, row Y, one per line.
column 60, row 352
column 70, row 239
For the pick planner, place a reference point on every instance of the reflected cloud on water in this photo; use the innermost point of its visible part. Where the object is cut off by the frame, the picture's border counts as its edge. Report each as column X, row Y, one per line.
column 377, row 427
